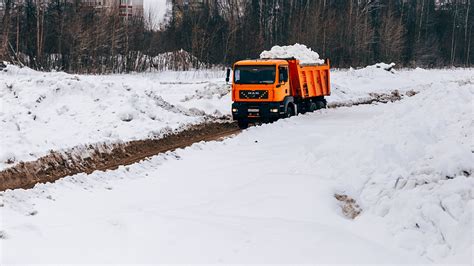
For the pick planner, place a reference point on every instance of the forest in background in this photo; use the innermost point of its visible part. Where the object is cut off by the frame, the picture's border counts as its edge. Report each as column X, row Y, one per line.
column 65, row 35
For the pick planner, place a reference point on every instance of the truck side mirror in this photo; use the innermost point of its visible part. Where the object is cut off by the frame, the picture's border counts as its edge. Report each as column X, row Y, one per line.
column 227, row 79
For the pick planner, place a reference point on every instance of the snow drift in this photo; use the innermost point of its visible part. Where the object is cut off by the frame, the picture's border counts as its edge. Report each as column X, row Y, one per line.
column 299, row 51
column 54, row 111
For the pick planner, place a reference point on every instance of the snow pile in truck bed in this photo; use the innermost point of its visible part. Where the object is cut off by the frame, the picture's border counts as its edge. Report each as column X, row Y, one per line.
column 299, row 51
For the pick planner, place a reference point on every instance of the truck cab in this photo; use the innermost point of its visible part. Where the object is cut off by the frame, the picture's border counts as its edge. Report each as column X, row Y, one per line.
column 265, row 90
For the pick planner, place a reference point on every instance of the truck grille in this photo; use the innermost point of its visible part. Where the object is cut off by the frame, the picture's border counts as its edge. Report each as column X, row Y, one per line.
column 253, row 94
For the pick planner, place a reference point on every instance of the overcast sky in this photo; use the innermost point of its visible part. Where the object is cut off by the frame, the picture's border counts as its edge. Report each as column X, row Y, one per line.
column 158, row 8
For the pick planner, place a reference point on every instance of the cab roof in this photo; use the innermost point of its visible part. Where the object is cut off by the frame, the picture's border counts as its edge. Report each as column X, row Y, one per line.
column 264, row 62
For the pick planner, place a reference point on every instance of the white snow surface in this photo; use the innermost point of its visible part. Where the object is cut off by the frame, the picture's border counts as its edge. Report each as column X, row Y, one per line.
column 40, row 112
column 263, row 196
column 57, row 111
column 299, row 51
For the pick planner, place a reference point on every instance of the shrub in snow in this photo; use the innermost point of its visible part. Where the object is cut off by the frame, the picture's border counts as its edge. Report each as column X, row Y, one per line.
column 177, row 60
column 298, row 51
column 387, row 67
column 8, row 158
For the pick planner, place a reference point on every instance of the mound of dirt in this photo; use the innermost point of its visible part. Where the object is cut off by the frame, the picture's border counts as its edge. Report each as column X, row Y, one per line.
column 57, row 165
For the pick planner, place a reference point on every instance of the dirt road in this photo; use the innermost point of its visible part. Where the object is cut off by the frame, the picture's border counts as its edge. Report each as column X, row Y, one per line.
column 57, row 165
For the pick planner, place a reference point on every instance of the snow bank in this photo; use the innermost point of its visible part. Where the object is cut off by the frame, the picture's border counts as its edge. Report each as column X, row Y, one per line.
column 54, row 111
column 384, row 66
column 351, row 85
column 420, row 179
column 299, row 51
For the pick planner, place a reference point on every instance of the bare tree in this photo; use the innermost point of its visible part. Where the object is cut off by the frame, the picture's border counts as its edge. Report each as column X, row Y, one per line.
column 5, row 29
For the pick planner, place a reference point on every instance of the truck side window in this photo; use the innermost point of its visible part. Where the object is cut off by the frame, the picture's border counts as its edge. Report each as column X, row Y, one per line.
column 283, row 74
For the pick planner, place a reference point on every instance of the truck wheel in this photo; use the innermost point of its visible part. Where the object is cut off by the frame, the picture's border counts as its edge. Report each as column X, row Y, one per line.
column 320, row 104
column 313, row 107
column 243, row 124
column 303, row 108
column 289, row 111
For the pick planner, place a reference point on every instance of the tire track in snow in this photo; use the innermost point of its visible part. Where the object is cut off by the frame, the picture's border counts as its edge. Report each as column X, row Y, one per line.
column 102, row 157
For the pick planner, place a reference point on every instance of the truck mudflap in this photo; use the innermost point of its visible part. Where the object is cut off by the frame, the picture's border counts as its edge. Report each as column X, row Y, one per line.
column 259, row 111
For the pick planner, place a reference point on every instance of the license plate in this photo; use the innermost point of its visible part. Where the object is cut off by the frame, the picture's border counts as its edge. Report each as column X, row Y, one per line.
column 254, row 110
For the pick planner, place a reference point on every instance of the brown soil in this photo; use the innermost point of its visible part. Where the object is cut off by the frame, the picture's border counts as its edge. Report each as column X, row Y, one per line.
column 349, row 206
column 57, row 165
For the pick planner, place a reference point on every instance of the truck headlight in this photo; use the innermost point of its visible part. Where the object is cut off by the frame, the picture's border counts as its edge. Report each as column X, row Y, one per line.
column 274, row 110
column 234, row 110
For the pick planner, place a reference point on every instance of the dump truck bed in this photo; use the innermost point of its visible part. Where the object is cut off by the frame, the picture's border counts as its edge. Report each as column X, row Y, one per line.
column 309, row 81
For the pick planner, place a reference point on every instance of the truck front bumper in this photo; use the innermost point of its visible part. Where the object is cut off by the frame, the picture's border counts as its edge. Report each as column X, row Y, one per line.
column 258, row 111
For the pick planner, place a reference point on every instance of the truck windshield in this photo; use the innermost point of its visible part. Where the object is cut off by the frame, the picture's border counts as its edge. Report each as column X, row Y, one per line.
column 255, row 74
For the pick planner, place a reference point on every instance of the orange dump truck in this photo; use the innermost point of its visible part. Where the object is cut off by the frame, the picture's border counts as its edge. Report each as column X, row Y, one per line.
column 265, row 90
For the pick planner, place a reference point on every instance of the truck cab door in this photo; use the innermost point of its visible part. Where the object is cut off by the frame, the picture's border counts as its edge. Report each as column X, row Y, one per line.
column 283, row 81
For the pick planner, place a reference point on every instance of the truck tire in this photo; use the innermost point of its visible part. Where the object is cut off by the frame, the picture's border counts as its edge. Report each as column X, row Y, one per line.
column 290, row 111
column 303, row 108
column 243, row 124
column 312, row 107
column 320, row 104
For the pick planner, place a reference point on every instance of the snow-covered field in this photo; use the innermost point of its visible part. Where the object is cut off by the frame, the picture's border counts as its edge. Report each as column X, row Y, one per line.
column 40, row 112
column 56, row 111
column 264, row 196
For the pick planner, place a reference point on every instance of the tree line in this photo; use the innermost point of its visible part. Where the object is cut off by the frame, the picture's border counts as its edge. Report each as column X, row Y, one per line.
column 68, row 36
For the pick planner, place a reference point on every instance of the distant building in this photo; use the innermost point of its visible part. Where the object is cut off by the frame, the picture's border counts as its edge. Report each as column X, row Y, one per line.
column 126, row 8
column 129, row 8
